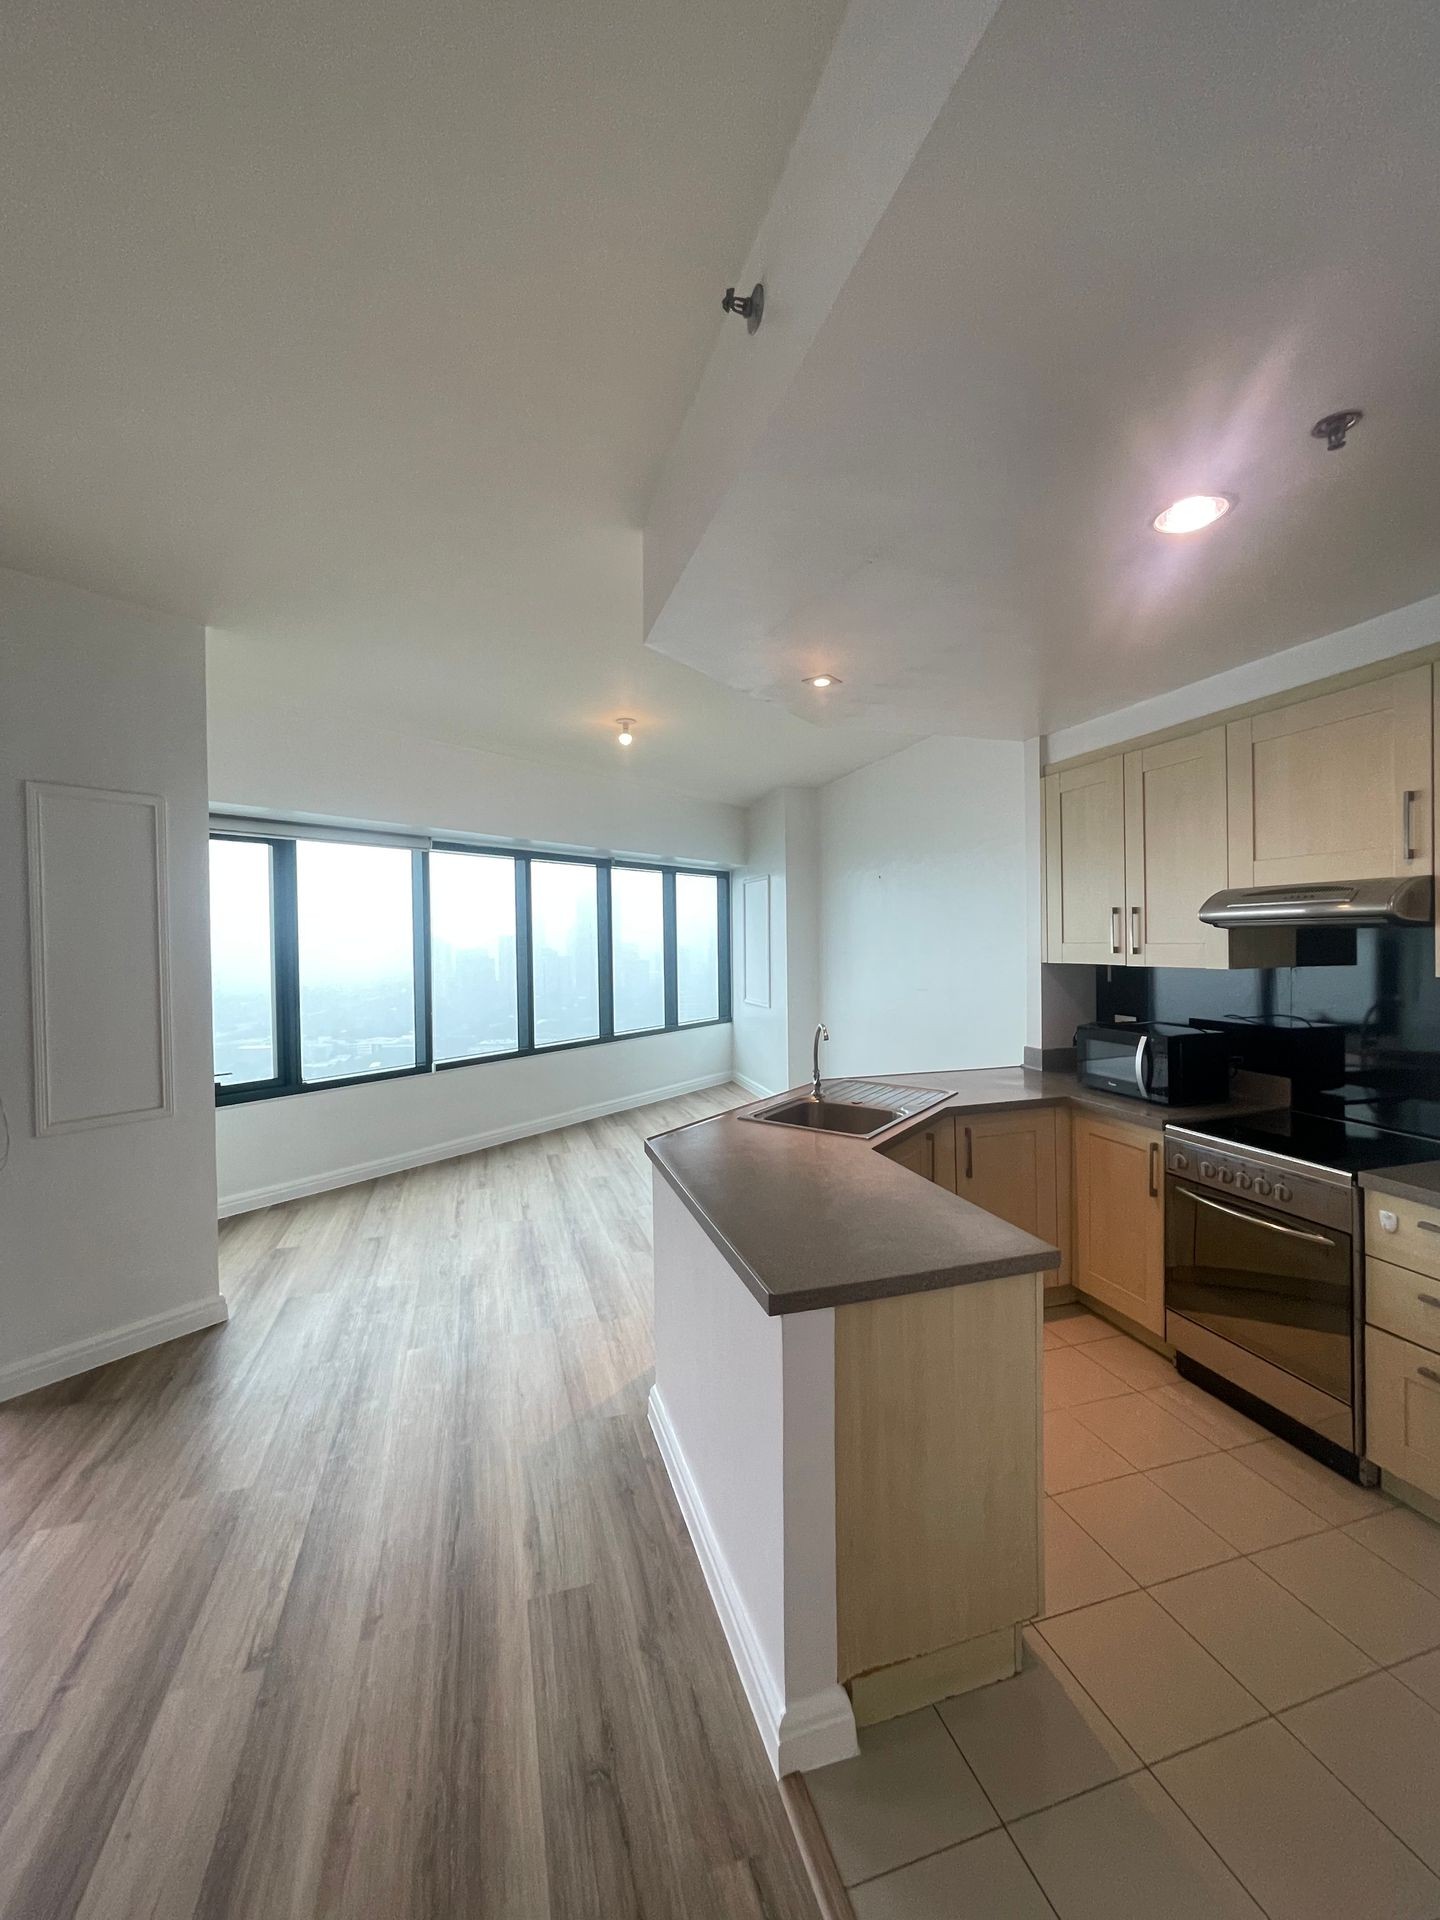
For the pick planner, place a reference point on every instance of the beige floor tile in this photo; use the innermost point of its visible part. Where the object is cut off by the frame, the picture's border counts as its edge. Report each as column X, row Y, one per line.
column 1384, row 1743
column 1422, row 1676
column 1077, row 1327
column 1158, row 1687
column 1072, row 1379
column 1078, row 1571
column 908, row 1793
column 986, row 1879
column 1076, row 1457
column 1052, row 1338
column 1407, row 1540
column 1241, row 1507
column 1037, row 1738
column 1126, row 1852
column 1333, row 1498
column 1273, row 1644
column 1151, row 1535
column 1146, row 1434
column 1137, row 1365
column 1206, row 1414
column 1387, row 1615
column 1295, row 1837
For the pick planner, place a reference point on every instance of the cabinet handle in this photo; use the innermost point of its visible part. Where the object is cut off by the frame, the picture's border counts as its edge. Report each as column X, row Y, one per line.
column 1135, row 930
column 1117, row 945
column 1154, row 1169
column 970, row 1158
column 1429, row 1373
column 1428, row 1226
column 1407, row 814
column 1427, row 1300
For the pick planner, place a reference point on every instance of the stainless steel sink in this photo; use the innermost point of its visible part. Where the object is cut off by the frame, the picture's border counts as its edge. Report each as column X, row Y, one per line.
column 858, row 1107
column 831, row 1116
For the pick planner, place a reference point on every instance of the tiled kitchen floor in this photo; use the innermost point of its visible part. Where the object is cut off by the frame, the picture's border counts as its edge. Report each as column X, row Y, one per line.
column 1231, row 1707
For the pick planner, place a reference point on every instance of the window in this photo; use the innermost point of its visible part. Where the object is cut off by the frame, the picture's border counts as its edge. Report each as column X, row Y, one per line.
column 241, row 963
column 340, row 959
column 475, row 1006
column 697, row 947
column 564, row 951
column 356, row 948
column 637, row 947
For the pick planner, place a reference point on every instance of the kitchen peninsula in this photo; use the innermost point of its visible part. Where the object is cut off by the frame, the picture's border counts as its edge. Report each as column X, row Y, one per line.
column 847, row 1399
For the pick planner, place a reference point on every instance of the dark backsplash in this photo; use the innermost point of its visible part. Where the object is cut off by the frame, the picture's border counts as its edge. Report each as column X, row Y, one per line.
column 1387, row 1003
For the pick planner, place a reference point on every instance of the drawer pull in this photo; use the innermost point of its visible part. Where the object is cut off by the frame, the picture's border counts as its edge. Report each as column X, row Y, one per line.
column 1428, row 1300
column 1428, row 1226
column 1429, row 1373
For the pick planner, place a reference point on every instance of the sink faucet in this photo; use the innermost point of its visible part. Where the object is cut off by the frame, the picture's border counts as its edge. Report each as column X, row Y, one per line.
column 822, row 1032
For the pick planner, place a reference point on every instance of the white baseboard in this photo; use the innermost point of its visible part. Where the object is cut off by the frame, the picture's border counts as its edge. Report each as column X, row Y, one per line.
column 754, row 1087
column 247, row 1201
column 799, row 1734
column 81, row 1356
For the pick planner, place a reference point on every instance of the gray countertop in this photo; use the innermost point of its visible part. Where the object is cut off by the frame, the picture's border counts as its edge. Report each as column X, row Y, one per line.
column 820, row 1220
column 1418, row 1182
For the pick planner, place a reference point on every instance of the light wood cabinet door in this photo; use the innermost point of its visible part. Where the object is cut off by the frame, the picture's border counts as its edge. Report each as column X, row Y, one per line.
column 1009, row 1164
column 1085, row 863
column 1402, row 1409
column 1176, row 851
column 1334, row 788
column 930, row 1152
column 1119, row 1218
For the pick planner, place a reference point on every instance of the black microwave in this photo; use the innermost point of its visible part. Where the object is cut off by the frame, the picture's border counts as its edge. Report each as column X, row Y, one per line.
column 1154, row 1060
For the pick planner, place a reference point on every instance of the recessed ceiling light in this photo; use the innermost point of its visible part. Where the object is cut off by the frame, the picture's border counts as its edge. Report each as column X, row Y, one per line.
column 1195, row 511
column 822, row 680
column 625, row 736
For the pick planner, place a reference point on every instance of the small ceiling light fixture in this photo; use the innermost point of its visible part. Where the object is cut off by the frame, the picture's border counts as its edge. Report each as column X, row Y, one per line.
column 1334, row 427
column 1195, row 511
column 626, row 733
column 821, row 680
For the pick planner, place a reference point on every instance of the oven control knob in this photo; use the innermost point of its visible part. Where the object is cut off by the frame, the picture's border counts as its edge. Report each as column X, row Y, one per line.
column 1262, row 1185
column 1282, row 1192
column 1244, row 1182
column 1227, row 1175
column 1207, row 1169
column 1179, row 1162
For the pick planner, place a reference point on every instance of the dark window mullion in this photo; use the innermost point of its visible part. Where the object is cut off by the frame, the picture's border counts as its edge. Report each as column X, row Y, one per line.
column 286, row 925
column 604, row 951
column 524, row 971
column 672, row 972
column 420, row 938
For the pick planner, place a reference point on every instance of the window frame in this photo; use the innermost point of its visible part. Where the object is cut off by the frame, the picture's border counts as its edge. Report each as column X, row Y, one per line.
column 285, row 958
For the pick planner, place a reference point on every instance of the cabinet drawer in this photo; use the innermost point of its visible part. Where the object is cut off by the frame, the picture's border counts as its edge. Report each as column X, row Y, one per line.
column 1402, row 1409
column 1403, row 1303
column 1414, row 1240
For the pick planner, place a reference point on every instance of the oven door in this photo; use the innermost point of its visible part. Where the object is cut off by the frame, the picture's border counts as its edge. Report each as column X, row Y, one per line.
column 1279, row 1288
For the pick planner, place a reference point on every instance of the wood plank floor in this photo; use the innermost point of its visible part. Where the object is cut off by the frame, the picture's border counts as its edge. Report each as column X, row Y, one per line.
column 376, row 1602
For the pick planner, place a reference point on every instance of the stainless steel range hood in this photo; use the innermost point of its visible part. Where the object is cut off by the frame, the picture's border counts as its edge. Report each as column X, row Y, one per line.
column 1403, row 902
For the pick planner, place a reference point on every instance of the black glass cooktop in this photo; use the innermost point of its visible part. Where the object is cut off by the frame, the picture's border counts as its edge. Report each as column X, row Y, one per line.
column 1349, row 1146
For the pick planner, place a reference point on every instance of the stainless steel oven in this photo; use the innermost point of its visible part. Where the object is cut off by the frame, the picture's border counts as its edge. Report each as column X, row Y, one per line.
column 1263, row 1285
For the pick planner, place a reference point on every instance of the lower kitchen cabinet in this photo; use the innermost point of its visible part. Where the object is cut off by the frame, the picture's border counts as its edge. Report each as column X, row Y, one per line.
column 1007, row 1163
column 1119, row 1181
column 930, row 1152
column 1402, row 1409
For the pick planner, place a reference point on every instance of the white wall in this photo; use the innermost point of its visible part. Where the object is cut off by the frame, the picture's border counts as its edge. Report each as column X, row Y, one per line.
column 923, row 909
column 108, row 1240
column 781, row 846
column 333, row 765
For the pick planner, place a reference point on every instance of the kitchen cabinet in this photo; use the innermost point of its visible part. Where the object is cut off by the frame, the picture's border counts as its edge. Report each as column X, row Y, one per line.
column 930, row 1152
column 1337, row 787
column 1402, row 1339
column 1007, row 1163
column 1085, row 863
column 1119, row 1218
column 1176, row 851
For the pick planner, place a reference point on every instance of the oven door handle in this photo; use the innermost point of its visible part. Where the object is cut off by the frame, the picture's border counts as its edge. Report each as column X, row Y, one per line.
column 1256, row 1220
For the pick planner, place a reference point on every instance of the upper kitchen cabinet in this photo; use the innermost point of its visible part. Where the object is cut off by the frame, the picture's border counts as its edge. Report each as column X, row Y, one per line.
column 1334, row 788
column 1085, row 863
column 1175, row 851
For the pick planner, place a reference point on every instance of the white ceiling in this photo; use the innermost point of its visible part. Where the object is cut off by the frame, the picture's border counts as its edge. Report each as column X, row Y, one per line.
column 359, row 331
column 1143, row 248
